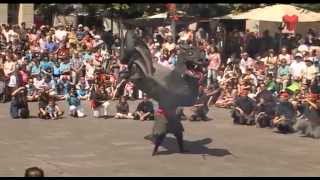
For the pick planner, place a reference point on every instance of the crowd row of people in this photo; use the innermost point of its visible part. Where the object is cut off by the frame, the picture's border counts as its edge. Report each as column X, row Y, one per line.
column 76, row 64
column 65, row 63
column 262, row 84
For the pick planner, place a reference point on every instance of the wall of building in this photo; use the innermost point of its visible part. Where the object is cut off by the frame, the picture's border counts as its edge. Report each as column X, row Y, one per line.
column 26, row 13
column 3, row 13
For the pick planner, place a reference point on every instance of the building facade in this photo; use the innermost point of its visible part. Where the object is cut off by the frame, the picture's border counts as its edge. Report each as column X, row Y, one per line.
column 17, row 13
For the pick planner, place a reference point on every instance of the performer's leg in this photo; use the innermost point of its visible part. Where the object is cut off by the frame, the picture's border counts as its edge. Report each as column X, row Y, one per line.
column 158, row 140
column 179, row 137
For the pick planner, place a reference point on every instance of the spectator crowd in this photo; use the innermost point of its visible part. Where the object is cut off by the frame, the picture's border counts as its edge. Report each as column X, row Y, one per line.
column 267, row 81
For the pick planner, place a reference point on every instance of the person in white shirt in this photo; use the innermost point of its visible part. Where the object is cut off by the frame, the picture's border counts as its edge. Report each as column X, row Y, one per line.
column 42, row 42
column 297, row 67
column 310, row 71
column 285, row 55
column 39, row 83
column 60, row 34
column 246, row 62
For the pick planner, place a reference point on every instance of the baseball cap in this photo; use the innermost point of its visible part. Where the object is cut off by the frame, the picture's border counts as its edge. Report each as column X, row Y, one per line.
column 284, row 94
column 298, row 55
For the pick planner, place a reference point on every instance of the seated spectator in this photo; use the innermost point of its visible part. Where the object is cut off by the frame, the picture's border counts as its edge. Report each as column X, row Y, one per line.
column 43, row 103
column 99, row 101
column 53, row 110
column 64, row 86
column 32, row 92
column 199, row 112
column 227, row 97
column 145, row 110
column 308, row 123
column 285, row 56
column 297, row 67
column 129, row 89
column 265, row 107
column 271, row 84
column 65, row 68
column 283, row 74
column 23, row 75
column 315, row 85
column 310, row 71
column 285, row 114
column 123, row 109
column 46, row 65
column 244, row 109
column 34, row 172
column 73, row 99
column 56, row 69
column 35, row 67
column 19, row 105
column 51, row 46
column 82, row 92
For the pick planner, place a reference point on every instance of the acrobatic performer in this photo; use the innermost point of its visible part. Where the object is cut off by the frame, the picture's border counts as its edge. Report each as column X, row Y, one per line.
column 170, row 88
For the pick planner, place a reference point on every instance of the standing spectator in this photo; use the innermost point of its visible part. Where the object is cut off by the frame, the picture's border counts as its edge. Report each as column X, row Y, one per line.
column 214, row 59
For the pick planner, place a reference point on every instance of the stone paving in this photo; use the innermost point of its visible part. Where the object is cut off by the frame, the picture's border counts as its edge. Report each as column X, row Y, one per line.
column 110, row 147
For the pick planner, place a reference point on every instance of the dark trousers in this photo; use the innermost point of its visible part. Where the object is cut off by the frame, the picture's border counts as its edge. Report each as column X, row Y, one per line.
column 284, row 127
column 149, row 117
column 238, row 118
column 200, row 114
column 159, row 139
column 262, row 120
column 18, row 112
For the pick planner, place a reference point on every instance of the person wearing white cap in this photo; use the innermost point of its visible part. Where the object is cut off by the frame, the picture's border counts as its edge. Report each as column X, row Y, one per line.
column 80, row 32
column 298, row 66
column 310, row 71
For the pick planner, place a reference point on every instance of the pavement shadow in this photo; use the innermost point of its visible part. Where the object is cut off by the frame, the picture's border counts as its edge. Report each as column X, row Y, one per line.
column 193, row 147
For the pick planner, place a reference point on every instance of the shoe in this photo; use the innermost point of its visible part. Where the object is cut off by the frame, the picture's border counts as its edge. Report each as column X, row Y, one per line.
column 154, row 153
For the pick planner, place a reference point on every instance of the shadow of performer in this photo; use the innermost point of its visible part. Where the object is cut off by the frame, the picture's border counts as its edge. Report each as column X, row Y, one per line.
column 194, row 147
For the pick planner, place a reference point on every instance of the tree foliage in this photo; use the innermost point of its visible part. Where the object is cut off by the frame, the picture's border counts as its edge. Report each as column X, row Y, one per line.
column 135, row 10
